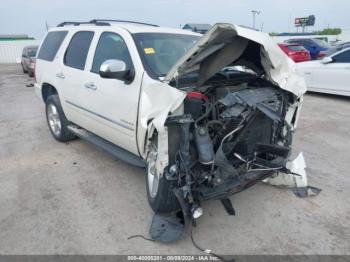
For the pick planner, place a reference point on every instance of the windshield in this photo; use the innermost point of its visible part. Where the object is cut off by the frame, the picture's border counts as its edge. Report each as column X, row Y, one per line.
column 336, row 49
column 332, row 51
column 32, row 52
column 160, row 51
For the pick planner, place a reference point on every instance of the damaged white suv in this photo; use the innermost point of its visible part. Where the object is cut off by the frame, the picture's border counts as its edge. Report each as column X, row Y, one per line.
column 208, row 116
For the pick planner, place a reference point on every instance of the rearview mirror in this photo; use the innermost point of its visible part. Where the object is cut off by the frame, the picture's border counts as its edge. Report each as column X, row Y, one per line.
column 326, row 60
column 116, row 69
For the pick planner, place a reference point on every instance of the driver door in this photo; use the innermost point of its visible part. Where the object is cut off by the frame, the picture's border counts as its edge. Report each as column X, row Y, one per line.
column 112, row 103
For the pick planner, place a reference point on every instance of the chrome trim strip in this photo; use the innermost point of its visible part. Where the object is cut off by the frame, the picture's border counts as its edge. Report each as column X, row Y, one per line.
column 96, row 114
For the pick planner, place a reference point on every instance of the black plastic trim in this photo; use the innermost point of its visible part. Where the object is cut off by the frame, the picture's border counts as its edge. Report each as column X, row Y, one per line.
column 108, row 147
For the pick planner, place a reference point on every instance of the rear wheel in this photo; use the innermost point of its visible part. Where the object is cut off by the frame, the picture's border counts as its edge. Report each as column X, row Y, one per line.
column 159, row 190
column 56, row 120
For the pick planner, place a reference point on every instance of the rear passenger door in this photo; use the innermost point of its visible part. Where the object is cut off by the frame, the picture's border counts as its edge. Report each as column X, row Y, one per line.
column 71, row 75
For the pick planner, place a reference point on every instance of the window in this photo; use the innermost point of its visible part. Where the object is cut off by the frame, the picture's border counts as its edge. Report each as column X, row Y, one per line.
column 307, row 42
column 296, row 47
column 321, row 43
column 296, row 41
column 343, row 57
column 159, row 52
column 32, row 52
column 110, row 46
column 51, row 44
column 78, row 49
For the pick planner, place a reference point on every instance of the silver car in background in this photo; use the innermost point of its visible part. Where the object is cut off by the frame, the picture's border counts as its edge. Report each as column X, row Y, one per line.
column 28, row 59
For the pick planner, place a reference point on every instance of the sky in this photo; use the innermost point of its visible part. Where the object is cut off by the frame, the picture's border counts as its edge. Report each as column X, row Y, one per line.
column 29, row 16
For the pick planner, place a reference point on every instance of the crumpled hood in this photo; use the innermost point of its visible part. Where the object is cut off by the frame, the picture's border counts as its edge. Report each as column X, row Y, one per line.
column 226, row 44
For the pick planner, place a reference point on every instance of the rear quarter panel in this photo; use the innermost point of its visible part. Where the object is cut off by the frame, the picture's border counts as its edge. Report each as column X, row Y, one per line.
column 45, row 71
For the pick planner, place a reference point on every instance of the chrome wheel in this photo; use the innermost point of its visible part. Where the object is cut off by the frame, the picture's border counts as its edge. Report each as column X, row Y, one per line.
column 152, row 175
column 54, row 119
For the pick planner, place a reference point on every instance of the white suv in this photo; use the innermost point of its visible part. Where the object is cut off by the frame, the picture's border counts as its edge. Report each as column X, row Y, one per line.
column 208, row 115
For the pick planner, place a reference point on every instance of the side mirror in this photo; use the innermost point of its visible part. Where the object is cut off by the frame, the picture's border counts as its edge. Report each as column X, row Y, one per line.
column 116, row 69
column 326, row 60
column 24, row 56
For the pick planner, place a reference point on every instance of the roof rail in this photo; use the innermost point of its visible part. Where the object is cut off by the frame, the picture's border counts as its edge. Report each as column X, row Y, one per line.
column 98, row 23
column 120, row 21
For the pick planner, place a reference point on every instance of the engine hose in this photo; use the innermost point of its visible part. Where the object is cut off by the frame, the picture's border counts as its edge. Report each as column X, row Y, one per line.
column 206, row 113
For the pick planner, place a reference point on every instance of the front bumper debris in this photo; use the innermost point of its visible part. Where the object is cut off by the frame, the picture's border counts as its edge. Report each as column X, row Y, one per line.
column 295, row 178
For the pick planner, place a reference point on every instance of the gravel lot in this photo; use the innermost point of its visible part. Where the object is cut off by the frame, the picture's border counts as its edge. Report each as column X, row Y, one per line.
column 73, row 199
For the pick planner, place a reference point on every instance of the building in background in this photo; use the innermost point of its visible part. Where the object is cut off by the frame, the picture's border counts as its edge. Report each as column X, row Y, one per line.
column 15, row 37
column 11, row 47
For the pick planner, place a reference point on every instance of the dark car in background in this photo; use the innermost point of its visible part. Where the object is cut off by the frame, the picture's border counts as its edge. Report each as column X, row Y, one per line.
column 28, row 59
column 296, row 52
column 316, row 47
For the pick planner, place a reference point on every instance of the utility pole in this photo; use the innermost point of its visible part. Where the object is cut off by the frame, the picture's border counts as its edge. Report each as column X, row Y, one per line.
column 262, row 27
column 255, row 12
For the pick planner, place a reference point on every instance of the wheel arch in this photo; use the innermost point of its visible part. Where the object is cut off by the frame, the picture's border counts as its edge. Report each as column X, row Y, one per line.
column 47, row 90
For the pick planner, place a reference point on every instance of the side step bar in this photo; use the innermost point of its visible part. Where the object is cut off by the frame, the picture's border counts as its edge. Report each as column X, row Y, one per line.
column 107, row 146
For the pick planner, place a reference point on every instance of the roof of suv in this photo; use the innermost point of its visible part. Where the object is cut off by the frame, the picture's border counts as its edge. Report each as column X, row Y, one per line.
column 131, row 27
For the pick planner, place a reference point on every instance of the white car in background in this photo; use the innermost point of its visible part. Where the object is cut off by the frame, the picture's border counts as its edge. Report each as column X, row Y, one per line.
column 329, row 75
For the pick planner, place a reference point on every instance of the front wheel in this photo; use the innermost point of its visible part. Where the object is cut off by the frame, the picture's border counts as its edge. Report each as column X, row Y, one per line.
column 159, row 190
column 56, row 120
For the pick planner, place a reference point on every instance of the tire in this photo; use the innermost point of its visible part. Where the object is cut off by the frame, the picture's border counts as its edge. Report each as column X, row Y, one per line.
column 162, row 200
column 56, row 120
column 165, row 200
column 24, row 71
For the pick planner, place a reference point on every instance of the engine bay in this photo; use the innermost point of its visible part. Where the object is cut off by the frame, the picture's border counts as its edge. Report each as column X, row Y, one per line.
column 229, row 138
column 228, row 128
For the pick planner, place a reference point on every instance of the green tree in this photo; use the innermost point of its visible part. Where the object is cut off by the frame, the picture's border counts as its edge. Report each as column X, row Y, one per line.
column 330, row 31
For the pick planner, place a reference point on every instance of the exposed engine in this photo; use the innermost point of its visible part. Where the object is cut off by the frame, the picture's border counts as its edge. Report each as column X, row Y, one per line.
column 235, row 127
column 230, row 137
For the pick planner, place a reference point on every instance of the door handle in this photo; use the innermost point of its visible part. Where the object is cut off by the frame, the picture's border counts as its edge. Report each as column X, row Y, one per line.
column 60, row 75
column 90, row 85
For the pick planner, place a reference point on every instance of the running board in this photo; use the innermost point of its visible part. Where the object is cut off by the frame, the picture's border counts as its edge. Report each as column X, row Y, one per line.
column 108, row 147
